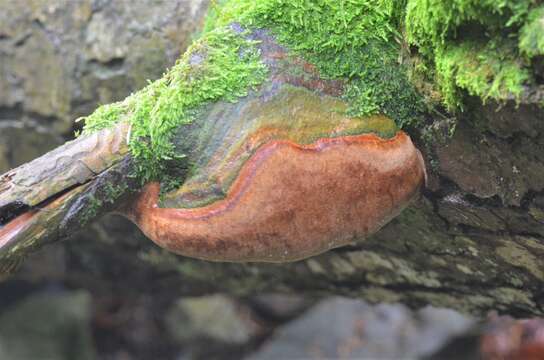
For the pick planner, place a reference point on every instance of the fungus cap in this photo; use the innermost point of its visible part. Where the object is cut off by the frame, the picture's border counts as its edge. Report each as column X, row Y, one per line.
column 292, row 201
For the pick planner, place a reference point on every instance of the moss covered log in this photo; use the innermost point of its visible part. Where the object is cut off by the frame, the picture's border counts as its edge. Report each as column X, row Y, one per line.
column 479, row 48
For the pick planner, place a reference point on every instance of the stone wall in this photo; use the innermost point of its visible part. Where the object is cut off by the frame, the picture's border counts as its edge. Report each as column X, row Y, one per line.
column 62, row 58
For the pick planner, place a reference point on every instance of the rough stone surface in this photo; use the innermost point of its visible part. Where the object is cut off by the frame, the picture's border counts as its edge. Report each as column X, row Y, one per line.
column 485, row 165
column 48, row 326
column 215, row 317
column 340, row 328
column 62, row 58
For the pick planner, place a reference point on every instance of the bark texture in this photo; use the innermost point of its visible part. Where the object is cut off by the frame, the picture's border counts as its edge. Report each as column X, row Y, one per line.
column 473, row 242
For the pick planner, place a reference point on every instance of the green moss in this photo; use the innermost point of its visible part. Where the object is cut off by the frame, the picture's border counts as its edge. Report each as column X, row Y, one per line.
column 531, row 40
column 113, row 192
column 105, row 116
column 430, row 24
column 471, row 45
column 481, row 69
column 357, row 41
column 395, row 97
column 220, row 65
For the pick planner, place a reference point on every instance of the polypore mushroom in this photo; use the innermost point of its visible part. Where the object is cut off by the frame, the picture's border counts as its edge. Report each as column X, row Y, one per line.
column 302, row 179
column 280, row 175
column 292, row 201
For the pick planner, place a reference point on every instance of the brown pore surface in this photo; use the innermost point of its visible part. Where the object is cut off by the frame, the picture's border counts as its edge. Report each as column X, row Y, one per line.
column 290, row 201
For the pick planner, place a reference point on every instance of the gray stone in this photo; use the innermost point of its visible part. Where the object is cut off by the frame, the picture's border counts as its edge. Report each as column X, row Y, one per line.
column 487, row 166
column 214, row 317
column 23, row 141
column 347, row 329
column 60, row 59
column 47, row 326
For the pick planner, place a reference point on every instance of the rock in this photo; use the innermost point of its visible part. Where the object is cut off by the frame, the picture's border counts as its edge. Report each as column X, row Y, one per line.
column 510, row 119
column 47, row 326
column 345, row 328
column 281, row 306
column 457, row 210
column 23, row 141
column 215, row 317
column 488, row 166
column 60, row 59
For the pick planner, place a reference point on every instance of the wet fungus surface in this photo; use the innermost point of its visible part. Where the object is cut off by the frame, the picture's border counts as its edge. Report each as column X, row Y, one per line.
column 293, row 201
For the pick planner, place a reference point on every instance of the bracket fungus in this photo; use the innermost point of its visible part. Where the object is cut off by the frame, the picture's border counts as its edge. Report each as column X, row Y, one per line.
column 300, row 178
column 292, row 201
column 281, row 174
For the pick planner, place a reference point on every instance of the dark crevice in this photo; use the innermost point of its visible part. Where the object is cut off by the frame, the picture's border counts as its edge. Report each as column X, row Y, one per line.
column 22, row 39
column 41, row 118
column 490, row 202
column 529, row 234
column 532, row 198
column 113, row 64
column 538, row 66
column 476, row 231
column 14, row 112
column 12, row 210
column 446, row 187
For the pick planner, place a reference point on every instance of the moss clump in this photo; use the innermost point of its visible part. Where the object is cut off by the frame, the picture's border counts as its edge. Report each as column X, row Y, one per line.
column 104, row 116
column 486, row 70
column 384, row 89
column 531, row 40
column 354, row 40
column 221, row 65
column 471, row 45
